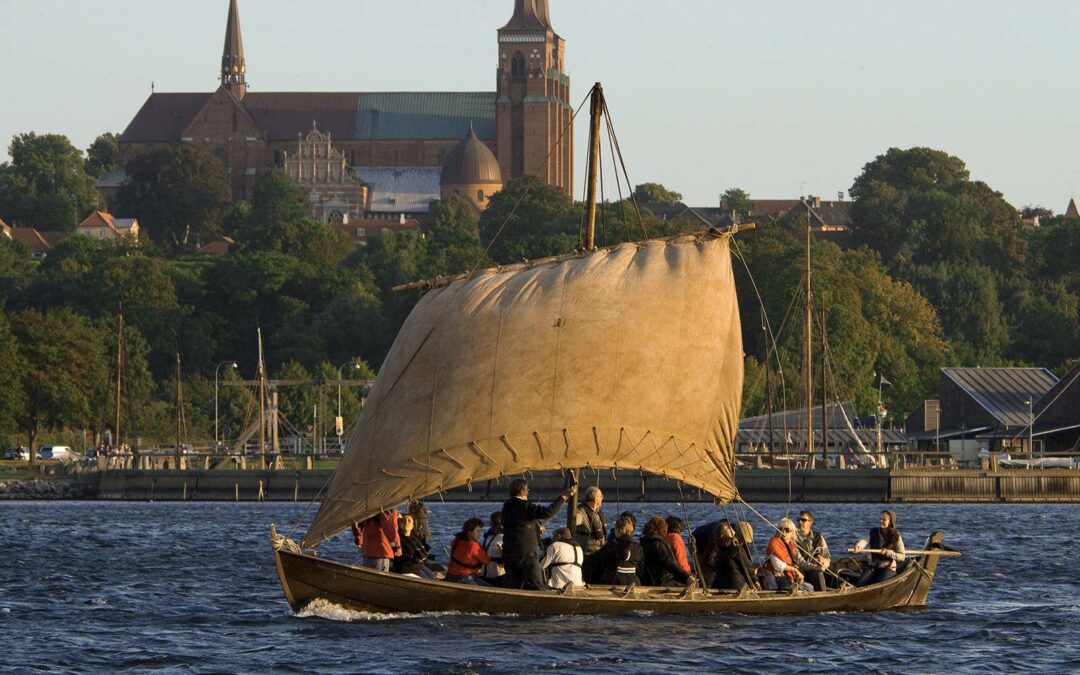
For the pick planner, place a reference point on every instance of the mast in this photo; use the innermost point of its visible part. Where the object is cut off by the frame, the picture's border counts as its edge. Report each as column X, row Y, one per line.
column 179, row 409
column 808, row 342
column 596, row 108
column 119, row 367
column 824, row 392
column 262, row 400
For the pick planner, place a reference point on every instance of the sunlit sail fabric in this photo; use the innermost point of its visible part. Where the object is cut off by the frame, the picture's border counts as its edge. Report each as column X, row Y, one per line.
column 629, row 357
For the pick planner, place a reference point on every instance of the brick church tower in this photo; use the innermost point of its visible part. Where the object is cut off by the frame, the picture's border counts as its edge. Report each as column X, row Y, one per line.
column 233, row 68
column 532, row 106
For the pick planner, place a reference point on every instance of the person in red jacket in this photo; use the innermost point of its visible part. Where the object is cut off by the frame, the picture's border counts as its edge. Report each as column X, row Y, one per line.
column 674, row 539
column 467, row 555
column 780, row 559
column 378, row 539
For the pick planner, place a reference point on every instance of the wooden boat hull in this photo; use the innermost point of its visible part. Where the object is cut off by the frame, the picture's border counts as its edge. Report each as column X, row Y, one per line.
column 306, row 578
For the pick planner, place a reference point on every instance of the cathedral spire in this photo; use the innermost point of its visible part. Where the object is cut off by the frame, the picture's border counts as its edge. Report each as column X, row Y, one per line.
column 233, row 69
column 529, row 15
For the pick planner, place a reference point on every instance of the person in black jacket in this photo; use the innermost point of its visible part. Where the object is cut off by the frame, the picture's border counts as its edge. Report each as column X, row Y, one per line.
column 732, row 569
column 521, row 540
column 413, row 551
column 619, row 560
column 660, row 568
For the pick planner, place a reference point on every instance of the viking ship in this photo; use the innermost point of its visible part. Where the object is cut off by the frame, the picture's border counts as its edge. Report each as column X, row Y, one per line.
column 622, row 357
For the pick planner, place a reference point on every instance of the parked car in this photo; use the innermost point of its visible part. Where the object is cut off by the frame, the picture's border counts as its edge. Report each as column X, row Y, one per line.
column 58, row 452
column 20, row 454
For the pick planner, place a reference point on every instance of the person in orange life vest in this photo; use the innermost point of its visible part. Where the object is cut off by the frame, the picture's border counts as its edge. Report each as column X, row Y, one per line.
column 675, row 541
column 780, row 558
column 467, row 555
column 378, row 539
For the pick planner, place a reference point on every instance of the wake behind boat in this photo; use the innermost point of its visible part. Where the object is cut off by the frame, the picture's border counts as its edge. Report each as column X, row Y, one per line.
column 621, row 357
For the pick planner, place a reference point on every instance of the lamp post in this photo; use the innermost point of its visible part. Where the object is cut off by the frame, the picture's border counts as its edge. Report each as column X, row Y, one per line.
column 937, row 428
column 353, row 365
column 217, row 369
column 1031, row 427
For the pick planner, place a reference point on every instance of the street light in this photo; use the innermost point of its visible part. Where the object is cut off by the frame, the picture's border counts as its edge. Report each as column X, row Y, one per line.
column 1031, row 428
column 354, row 366
column 231, row 364
column 937, row 428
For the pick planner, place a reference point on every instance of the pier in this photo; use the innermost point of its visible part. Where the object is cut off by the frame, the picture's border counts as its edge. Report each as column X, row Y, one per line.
column 755, row 485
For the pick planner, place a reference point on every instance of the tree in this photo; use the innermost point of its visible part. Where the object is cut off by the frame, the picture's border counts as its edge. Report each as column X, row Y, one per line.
column 45, row 185
column 178, row 193
column 103, row 155
column 277, row 209
column 737, row 200
column 452, row 239
column 528, row 219
column 66, row 372
column 16, row 271
column 12, row 367
column 655, row 193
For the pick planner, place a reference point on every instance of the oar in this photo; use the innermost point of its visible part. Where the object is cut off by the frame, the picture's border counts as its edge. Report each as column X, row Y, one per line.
column 950, row 554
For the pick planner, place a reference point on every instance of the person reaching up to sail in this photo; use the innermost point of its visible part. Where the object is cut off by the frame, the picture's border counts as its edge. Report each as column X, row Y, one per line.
column 521, row 538
column 590, row 530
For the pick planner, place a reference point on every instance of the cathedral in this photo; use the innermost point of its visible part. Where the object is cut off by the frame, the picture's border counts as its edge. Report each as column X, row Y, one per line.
column 382, row 154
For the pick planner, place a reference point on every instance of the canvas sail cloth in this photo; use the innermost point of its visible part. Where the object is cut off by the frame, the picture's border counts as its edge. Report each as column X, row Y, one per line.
column 625, row 357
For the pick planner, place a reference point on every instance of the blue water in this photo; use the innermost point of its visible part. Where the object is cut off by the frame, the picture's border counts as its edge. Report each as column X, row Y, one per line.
column 166, row 587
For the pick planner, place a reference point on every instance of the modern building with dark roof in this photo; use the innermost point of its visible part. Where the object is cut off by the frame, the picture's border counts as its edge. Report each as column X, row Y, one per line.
column 995, row 405
column 251, row 132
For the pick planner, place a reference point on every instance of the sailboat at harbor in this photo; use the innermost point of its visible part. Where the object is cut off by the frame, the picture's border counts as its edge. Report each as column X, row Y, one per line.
column 624, row 357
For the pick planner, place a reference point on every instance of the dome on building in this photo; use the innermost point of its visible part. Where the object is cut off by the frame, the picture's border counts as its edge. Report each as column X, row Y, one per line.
column 471, row 162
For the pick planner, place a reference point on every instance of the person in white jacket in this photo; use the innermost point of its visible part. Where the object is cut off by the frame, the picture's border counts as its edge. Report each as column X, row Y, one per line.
column 562, row 561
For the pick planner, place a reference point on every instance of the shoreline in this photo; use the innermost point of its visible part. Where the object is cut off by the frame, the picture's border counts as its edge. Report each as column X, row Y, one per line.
column 959, row 486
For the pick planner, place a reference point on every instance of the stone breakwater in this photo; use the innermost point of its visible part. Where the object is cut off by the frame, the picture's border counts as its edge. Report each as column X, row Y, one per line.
column 44, row 489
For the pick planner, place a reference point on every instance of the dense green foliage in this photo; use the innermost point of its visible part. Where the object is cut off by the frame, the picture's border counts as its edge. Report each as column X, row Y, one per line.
column 938, row 270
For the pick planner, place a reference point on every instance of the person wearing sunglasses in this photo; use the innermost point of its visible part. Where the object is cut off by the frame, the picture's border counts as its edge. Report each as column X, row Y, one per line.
column 780, row 563
column 811, row 551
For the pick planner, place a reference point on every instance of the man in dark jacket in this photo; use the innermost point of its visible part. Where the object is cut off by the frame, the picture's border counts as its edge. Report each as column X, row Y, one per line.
column 521, row 538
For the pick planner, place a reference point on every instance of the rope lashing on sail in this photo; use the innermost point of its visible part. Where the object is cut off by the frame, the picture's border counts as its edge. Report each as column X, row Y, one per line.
column 510, row 447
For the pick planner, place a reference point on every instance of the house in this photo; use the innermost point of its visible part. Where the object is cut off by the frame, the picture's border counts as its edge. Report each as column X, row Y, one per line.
column 994, row 407
column 1057, row 416
column 216, row 247
column 38, row 242
column 102, row 225
column 362, row 230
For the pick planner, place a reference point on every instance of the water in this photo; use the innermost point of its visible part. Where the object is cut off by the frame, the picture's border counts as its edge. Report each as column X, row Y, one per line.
column 166, row 587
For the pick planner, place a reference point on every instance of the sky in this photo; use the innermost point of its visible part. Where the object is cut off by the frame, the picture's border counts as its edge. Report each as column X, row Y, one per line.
column 778, row 98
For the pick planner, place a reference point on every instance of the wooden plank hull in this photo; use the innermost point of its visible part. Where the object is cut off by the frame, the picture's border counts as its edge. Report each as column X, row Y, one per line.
column 306, row 578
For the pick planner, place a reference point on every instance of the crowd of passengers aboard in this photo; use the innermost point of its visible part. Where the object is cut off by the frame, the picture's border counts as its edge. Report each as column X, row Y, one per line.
column 513, row 552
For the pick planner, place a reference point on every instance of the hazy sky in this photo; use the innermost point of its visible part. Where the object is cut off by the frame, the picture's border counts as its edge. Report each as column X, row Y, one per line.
column 780, row 98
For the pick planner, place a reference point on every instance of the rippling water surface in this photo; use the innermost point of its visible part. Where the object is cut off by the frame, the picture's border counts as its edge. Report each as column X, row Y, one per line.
column 165, row 587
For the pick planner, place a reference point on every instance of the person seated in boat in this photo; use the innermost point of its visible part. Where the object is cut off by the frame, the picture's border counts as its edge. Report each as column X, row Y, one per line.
column 811, row 551
column 781, row 571
column 378, row 539
column 886, row 539
column 521, row 539
column 633, row 524
column 675, row 541
column 619, row 561
column 494, row 572
column 467, row 556
column 729, row 562
column 562, row 561
column 414, row 552
column 419, row 512
column 590, row 530
column 659, row 567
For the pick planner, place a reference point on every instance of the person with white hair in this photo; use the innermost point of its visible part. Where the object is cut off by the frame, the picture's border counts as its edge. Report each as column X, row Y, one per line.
column 781, row 570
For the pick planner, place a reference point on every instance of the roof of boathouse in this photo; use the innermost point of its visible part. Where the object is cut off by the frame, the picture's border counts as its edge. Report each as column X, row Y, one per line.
column 1003, row 392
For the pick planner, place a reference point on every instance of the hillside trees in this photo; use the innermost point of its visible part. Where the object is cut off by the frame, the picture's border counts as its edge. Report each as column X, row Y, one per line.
column 178, row 193
column 45, row 185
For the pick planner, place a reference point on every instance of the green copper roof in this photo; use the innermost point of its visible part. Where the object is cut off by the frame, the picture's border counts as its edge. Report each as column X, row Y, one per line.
column 425, row 115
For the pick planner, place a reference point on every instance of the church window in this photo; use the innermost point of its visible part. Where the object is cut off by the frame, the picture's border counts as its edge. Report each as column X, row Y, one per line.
column 336, row 216
column 479, row 195
column 235, row 120
column 517, row 67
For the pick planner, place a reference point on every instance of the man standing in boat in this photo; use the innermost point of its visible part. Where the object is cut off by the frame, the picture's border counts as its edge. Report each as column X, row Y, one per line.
column 520, row 519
